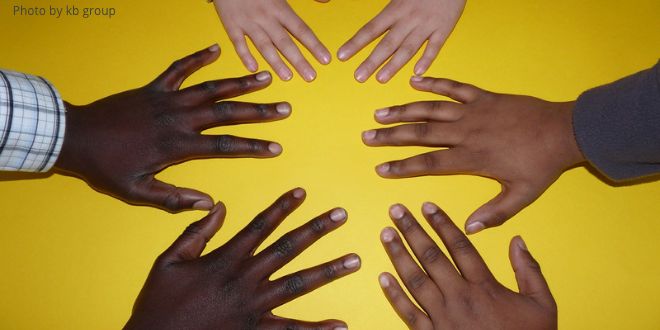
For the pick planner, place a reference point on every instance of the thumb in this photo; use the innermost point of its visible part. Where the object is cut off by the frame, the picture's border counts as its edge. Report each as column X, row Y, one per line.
column 511, row 200
column 151, row 191
column 530, row 280
column 193, row 240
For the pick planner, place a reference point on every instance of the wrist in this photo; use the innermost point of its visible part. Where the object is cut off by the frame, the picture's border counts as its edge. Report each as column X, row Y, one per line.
column 68, row 152
column 570, row 151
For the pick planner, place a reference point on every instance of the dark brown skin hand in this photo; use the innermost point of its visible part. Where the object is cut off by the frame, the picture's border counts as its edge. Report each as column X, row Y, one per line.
column 118, row 144
column 230, row 287
column 466, row 296
column 523, row 142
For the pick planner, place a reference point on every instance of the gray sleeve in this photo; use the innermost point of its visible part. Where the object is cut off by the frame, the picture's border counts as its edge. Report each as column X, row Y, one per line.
column 617, row 126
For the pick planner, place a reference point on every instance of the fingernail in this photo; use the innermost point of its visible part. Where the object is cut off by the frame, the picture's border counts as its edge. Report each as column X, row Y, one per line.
column 429, row 208
column 325, row 58
column 383, row 168
column 382, row 113
column 286, row 75
column 474, row 227
column 397, row 211
column 387, row 235
column 275, row 148
column 216, row 208
column 214, row 48
column 298, row 193
column 416, row 78
column 361, row 75
column 263, row 76
column 419, row 70
column 369, row 135
column 309, row 75
column 283, row 108
column 341, row 328
column 252, row 67
column 338, row 215
column 342, row 55
column 521, row 244
column 383, row 76
column 384, row 280
column 352, row 262
column 202, row 205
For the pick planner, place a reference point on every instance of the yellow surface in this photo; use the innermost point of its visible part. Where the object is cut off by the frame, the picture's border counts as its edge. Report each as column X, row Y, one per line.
column 76, row 259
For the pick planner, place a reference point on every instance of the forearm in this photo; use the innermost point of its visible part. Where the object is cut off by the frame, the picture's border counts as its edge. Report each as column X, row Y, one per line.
column 617, row 126
column 32, row 123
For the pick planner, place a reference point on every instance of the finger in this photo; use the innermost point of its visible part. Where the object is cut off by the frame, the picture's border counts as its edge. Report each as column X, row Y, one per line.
column 511, row 200
column 441, row 162
column 420, row 134
column 420, row 286
column 274, row 322
column 250, row 237
column 240, row 45
column 233, row 113
column 403, row 306
column 193, row 240
column 290, row 50
column 420, row 112
column 149, row 191
column 465, row 255
column 300, row 283
column 406, row 51
column 229, row 146
column 265, row 46
column 528, row 273
column 435, row 43
column 433, row 260
column 455, row 90
column 301, row 31
column 384, row 50
column 368, row 33
column 215, row 90
column 296, row 241
column 173, row 77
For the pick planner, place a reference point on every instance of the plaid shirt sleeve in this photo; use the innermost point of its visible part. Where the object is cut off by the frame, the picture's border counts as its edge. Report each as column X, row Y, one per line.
column 32, row 123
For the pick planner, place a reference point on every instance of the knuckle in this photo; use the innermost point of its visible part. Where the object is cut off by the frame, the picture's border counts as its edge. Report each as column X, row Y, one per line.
column 436, row 106
column 294, row 285
column 173, row 200
column 330, row 272
column 225, row 144
column 223, row 110
column 177, row 66
column 318, row 225
column 261, row 110
column 421, row 130
column 209, row 87
column 369, row 65
column 284, row 204
column 416, row 280
column 406, row 224
column 407, row 51
column 429, row 161
column 255, row 147
column 284, row 246
column 411, row 318
column 431, row 254
column 461, row 245
column 258, row 224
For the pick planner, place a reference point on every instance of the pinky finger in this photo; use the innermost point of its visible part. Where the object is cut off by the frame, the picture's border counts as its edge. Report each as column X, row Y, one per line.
column 238, row 40
column 403, row 306
column 280, row 323
column 433, row 47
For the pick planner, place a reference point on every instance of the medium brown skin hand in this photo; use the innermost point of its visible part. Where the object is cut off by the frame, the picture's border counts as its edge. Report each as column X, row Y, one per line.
column 271, row 25
column 119, row 143
column 523, row 142
column 230, row 287
column 406, row 26
column 466, row 296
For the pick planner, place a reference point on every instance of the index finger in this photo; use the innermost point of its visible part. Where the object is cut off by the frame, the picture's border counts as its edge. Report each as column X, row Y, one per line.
column 214, row 90
column 250, row 237
column 461, row 92
column 465, row 255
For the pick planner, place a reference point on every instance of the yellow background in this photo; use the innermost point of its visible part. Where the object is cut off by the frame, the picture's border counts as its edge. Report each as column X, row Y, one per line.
column 76, row 259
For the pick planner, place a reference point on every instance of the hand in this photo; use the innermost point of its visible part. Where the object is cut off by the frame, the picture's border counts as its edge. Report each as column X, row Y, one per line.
column 523, row 142
column 119, row 143
column 409, row 23
column 229, row 288
column 270, row 25
column 465, row 298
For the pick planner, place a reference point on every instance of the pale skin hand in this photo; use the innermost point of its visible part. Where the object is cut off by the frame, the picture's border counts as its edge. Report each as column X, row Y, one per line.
column 523, row 142
column 232, row 287
column 407, row 24
column 271, row 25
column 466, row 296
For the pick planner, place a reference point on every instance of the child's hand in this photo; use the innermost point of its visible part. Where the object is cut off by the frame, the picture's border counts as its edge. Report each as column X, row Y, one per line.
column 523, row 142
column 270, row 25
column 410, row 23
column 465, row 296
